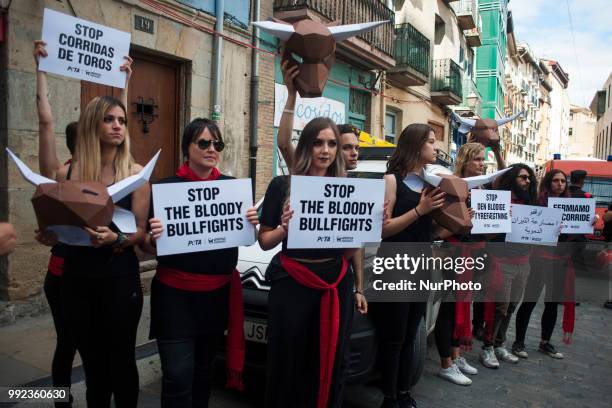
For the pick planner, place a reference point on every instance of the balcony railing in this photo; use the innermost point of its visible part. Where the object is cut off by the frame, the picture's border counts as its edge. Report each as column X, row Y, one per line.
column 349, row 12
column 467, row 13
column 446, row 79
column 411, row 48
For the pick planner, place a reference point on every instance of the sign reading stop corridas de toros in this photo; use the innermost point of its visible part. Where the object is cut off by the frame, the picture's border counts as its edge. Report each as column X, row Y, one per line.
column 335, row 212
column 84, row 50
column 203, row 215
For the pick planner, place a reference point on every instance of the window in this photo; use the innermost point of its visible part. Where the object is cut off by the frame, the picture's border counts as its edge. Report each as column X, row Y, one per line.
column 390, row 126
column 440, row 30
column 571, row 131
column 600, row 188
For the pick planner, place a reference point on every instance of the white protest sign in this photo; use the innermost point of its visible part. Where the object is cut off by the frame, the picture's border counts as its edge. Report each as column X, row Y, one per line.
column 203, row 215
column 335, row 212
column 84, row 50
column 534, row 225
column 491, row 211
column 307, row 109
column 578, row 213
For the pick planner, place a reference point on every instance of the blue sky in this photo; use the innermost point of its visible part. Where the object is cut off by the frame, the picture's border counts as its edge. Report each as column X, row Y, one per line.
column 545, row 26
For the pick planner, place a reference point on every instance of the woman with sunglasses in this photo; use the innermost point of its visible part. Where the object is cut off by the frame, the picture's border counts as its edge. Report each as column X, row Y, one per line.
column 196, row 296
column 304, row 365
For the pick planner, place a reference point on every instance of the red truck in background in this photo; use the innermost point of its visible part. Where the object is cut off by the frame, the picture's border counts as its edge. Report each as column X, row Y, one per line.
column 598, row 183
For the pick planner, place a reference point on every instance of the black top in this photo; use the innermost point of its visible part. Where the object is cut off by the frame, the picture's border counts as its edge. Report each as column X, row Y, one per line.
column 406, row 200
column 271, row 212
column 577, row 192
column 215, row 262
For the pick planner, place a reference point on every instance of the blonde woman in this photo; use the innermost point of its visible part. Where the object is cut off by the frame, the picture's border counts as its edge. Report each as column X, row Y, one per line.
column 102, row 293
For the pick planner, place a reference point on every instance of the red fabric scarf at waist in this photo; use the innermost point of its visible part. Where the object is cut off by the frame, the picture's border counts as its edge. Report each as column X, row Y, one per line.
column 329, row 323
column 463, row 298
column 193, row 282
column 569, row 305
column 496, row 283
column 56, row 265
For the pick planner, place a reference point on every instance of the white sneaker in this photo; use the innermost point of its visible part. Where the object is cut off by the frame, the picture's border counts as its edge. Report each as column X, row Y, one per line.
column 488, row 359
column 465, row 368
column 454, row 375
column 504, row 355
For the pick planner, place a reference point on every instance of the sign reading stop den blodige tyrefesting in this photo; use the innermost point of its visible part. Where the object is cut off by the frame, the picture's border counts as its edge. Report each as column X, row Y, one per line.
column 84, row 50
column 203, row 215
column 491, row 211
column 335, row 212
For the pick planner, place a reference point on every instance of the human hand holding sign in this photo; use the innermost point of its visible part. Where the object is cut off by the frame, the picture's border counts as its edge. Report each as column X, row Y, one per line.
column 431, row 199
column 287, row 215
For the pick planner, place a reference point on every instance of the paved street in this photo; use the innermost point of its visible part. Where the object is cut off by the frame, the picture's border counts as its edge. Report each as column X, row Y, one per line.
column 582, row 379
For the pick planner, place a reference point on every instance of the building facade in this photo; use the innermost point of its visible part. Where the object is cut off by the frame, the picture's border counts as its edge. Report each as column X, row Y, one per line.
column 559, row 112
column 601, row 107
column 581, row 135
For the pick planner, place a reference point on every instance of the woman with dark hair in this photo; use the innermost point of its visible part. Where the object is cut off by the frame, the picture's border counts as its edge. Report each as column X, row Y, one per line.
column 196, row 296
column 550, row 267
column 509, row 267
column 304, row 365
column 410, row 204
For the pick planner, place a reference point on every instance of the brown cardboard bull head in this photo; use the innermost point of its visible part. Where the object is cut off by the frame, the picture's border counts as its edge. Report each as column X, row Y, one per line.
column 454, row 214
column 67, row 206
column 312, row 46
column 484, row 131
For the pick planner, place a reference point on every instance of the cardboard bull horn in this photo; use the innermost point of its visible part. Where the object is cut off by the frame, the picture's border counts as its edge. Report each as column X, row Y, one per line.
column 67, row 206
column 312, row 46
column 484, row 131
column 454, row 214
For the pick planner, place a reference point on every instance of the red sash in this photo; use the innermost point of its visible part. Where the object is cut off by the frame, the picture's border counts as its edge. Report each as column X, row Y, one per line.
column 329, row 323
column 463, row 298
column 56, row 265
column 193, row 282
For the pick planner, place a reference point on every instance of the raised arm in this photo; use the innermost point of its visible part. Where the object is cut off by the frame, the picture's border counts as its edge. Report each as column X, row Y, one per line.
column 48, row 162
column 501, row 164
column 127, row 67
column 285, row 127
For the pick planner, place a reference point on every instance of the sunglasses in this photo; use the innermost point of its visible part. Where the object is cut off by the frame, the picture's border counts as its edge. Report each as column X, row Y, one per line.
column 524, row 177
column 110, row 119
column 205, row 144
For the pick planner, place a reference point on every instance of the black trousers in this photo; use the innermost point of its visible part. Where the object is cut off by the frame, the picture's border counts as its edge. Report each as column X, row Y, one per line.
column 187, row 370
column 396, row 327
column 65, row 346
column 103, row 315
column 445, row 326
column 545, row 274
column 292, row 378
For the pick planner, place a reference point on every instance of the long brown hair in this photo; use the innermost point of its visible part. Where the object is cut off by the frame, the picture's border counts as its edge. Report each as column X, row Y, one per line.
column 546, row 183
column 88, row 157
column 407, row 154
column 303, row 151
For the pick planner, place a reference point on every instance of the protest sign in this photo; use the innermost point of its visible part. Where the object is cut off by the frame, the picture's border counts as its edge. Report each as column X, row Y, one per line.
column 534, row 225
column 578, row 213
column 202, row 216
column 84, row 50
column 335, row 212
column 491, row 211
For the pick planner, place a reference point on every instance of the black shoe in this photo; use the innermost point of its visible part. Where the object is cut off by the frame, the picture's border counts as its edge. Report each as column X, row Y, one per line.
column 550, row 350
column 518, row 349
column 608, row 304
column 405, row 400
column 389, row 402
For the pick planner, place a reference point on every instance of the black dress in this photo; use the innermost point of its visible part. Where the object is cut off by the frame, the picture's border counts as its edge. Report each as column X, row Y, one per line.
column 293, row 319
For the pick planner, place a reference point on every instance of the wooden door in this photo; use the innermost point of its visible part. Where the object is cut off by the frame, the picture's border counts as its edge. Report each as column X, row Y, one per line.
column 155, row 81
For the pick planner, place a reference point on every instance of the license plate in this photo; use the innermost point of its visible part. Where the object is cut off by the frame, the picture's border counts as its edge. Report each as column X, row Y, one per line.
column 256, row 331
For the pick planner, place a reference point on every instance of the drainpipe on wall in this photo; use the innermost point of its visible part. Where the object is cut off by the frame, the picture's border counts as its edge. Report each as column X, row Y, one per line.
column 217, row 52
column 254, row 99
